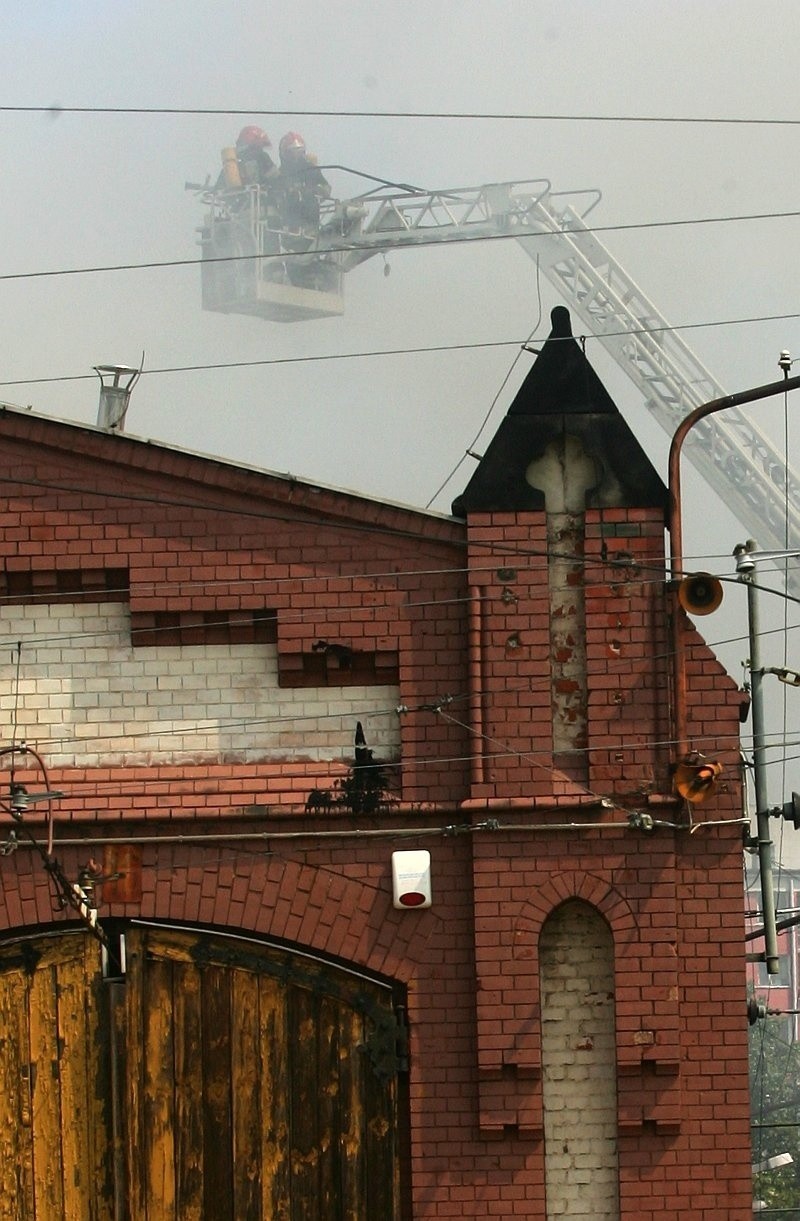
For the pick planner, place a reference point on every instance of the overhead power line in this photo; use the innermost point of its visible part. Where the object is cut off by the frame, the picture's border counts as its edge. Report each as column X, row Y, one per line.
column 644, row 565
column 750, row 320
column 346, row 247
column 55, row 109
column 301, row 767
column 281, row 360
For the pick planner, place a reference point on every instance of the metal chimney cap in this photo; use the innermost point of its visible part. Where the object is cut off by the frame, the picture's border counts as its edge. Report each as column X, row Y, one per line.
column 116, row 384
column 116, row 370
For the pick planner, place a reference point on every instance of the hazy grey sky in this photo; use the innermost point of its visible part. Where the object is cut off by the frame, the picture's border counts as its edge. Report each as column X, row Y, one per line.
column 89, row 190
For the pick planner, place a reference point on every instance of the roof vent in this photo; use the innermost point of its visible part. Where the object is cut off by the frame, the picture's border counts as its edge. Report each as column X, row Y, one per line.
column 116, row 384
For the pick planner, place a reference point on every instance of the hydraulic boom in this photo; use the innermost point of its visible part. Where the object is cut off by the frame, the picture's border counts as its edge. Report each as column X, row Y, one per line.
column 732, row 454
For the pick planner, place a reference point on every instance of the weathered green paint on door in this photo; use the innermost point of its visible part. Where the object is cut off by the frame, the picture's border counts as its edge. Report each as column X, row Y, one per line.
column 224, row 1079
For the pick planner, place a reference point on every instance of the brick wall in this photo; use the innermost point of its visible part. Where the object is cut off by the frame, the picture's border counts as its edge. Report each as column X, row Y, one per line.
column 681, row 1031
column 449, row 623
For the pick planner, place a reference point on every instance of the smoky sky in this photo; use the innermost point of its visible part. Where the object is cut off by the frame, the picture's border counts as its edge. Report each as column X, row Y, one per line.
column 93, row 190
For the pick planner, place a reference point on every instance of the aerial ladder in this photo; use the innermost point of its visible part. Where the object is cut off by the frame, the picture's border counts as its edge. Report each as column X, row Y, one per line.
column 251, row 266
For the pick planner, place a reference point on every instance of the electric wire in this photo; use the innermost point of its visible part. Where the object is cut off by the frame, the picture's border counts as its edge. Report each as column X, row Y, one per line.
column 303, row 516
column 335, row 617
column 621, row 666
column 277, row 360
column 167, row 586
column 621, row 745
column 269, row 615
column 499, row 391
column 119, row 634
column 55, row 109
column 357, row 576
column 172, row 636
column 617, row 562
column 349, row 247
column 256, row 773
column 506, row 751
column 225, row 726
column 216, row 725
column 407, row 351
column 642, row 563
column 411, row 114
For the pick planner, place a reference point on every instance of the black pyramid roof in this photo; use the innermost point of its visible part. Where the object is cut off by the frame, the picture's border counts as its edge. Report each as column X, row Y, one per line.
column 562, row 396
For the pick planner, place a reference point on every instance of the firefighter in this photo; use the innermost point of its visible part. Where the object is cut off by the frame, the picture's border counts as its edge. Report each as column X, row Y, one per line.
column 248, row 164
column 256, row 167
column 301, row 185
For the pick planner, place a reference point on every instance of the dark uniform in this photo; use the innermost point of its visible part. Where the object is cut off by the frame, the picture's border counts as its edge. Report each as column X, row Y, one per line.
column 300, row 187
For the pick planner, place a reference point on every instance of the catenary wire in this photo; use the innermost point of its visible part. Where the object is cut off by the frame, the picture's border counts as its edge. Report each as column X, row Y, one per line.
column 750, row 320
column 96, row 635
column 437, row 706
column 499, row 391
column 508, row 550
column 294, row 615
column 170, row 585
column 619, row 667
column 56, row 108
column 222, row 726
column 346, row 248
column 655, row 565
column 311, row 768
column 154, row 789
column 248, row 724
column 626, row 663
column 289, row 614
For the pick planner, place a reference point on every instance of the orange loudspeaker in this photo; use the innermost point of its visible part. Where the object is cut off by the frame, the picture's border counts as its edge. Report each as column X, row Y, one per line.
column 696, row 777
column 700, row 593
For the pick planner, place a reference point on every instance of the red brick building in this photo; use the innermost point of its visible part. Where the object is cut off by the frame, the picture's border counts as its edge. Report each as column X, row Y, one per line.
column 188, row 648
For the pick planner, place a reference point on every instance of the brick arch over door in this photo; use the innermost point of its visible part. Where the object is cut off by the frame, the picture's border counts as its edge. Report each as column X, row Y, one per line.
column 317, row 908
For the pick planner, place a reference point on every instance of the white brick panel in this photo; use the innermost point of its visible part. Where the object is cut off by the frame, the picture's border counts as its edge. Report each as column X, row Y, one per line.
column 85, row 696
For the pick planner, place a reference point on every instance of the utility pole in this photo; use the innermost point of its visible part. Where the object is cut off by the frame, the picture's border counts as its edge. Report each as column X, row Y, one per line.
column 746, row 567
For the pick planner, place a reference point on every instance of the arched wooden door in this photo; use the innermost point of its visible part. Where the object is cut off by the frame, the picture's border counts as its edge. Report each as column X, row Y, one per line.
column 221, row 1079
column 55, row 1135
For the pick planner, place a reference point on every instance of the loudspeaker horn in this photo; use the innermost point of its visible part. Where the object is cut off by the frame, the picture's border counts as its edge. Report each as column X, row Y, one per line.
column 695, row 778
column 700, row 593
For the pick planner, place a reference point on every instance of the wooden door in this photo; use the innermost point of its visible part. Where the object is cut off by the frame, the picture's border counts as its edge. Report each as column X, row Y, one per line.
column 224, row 1079
column 55, row 1141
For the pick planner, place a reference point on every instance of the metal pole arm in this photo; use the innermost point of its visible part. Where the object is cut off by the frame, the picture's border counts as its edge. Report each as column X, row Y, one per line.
column 679, row 436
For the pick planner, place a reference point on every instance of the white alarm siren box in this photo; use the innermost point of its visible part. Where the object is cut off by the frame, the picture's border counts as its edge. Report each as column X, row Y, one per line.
column 411, row 879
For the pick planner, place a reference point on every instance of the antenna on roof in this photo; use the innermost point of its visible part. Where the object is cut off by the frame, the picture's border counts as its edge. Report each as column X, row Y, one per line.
column 116, row 385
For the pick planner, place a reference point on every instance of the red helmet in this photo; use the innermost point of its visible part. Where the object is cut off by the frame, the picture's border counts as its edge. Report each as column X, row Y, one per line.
column 292, row 143
column 253, row 137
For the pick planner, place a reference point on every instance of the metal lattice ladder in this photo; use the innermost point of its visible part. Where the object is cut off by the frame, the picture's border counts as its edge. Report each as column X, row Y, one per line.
column 736, row 459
